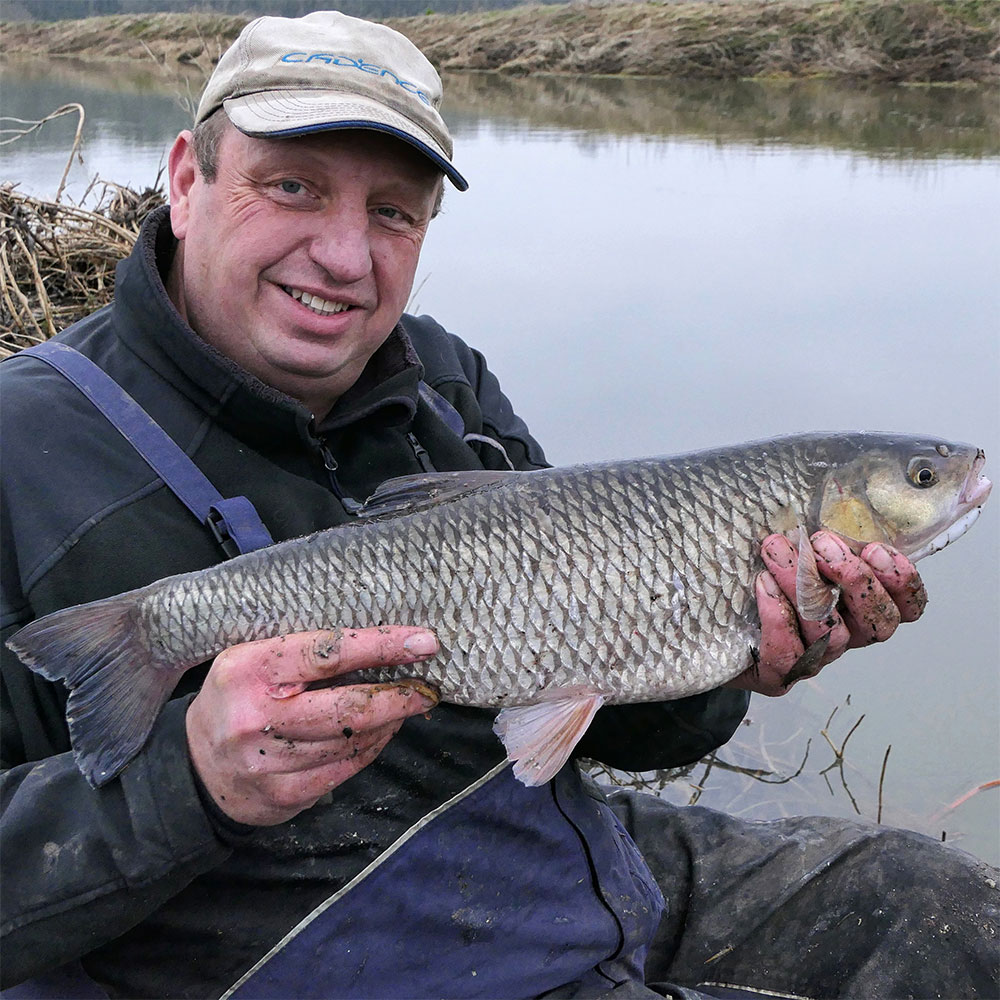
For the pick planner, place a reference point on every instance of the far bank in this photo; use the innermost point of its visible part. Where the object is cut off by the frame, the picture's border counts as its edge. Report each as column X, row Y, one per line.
column 911, row 41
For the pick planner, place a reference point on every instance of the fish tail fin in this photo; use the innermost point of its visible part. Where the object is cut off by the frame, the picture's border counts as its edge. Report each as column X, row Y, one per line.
column 117, row 687
column 539, row 738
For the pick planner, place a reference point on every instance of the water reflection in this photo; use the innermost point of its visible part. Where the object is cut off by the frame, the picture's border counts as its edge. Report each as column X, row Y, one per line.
column 147, row 101
column 881, row 121
column 131, row 118
column 136, row 103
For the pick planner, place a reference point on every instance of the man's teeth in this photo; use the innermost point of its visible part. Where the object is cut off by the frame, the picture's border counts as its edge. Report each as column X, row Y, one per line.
column 315, row 303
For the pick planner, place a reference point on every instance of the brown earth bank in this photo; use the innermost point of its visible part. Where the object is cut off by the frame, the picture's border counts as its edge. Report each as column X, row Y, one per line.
column 930, row 41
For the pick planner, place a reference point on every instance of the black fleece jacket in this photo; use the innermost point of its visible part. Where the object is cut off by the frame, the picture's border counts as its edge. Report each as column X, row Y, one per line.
column 139, row 874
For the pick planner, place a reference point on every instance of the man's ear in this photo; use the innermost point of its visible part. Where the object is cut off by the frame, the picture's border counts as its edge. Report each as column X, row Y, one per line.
column 182, row 169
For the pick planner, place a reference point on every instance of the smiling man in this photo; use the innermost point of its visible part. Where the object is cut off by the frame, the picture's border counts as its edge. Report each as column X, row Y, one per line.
column 285, row 835
column 297, row 257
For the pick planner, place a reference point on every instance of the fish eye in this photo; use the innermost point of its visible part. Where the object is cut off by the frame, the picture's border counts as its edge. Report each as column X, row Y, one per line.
column 921, row 473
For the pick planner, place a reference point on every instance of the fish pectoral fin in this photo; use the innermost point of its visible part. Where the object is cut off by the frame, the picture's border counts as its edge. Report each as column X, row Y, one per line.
column 539, row 738
column 408, row 494
column 815, row 598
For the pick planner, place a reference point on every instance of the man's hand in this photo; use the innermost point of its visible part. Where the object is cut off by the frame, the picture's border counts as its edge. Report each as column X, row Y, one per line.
column 879, row 589
column 266, row 745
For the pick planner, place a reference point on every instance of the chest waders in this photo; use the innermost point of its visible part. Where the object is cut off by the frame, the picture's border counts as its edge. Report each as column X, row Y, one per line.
column 502, row 891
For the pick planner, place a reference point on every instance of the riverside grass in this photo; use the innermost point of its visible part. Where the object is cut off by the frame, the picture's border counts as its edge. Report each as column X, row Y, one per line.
column 887, row 40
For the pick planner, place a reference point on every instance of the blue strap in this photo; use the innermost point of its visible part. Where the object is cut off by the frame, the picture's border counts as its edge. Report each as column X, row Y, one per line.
column 234, row 522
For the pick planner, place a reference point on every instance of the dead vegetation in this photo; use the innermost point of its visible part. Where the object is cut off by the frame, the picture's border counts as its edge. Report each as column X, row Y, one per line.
column 889, row 40
column 742, row 778
column 912, row 40
column 57, row 258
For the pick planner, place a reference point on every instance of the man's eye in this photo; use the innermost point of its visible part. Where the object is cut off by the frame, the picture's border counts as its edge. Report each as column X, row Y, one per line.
column 291, row 187
column 389, row 213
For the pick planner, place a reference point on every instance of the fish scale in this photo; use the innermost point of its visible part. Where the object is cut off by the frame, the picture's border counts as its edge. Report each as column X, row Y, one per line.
column 551, row 592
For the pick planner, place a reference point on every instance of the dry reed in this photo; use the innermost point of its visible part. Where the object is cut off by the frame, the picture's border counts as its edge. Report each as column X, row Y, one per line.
column 57, row 259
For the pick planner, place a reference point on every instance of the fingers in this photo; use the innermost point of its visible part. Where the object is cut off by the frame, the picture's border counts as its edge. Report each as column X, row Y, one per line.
column 869, row 611
column 315, row 715
column 879, row 589
column 899, row 577
column 266, row 744
column 281, row 758
column 287, row 664
column 779, row 657
column 264, row 796
column 780, row 642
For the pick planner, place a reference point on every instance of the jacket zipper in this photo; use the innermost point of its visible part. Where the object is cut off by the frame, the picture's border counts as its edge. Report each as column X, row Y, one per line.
column 331, row 465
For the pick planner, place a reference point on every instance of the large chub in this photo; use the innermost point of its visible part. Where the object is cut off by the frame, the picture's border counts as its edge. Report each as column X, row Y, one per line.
column 551, row 591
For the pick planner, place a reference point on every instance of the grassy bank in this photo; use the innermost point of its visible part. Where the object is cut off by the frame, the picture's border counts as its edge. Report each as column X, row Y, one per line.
column 891, row 40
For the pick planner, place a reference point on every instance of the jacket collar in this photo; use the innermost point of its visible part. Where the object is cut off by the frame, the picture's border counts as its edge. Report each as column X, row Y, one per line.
column 145, row 319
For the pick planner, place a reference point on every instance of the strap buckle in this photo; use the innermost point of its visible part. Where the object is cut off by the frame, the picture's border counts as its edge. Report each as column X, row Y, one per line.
column 236, row 526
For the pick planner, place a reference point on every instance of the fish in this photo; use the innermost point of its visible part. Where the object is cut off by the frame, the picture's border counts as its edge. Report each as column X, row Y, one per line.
column 552, row 592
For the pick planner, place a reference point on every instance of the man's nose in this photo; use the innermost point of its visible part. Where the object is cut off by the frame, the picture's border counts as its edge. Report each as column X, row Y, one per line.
column 341, row 246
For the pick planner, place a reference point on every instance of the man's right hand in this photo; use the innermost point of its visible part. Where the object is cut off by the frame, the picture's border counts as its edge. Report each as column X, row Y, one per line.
column 266, row 746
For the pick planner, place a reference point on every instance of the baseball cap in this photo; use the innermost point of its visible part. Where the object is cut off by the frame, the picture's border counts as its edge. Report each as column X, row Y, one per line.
column 292, row 76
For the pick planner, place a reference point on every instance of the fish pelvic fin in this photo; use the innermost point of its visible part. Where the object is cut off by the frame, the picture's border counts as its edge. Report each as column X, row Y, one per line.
column 116, row 688
column 815, row 598
column 539, row 738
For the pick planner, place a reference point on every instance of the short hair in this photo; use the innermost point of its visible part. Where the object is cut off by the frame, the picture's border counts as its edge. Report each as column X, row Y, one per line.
column 207, row 137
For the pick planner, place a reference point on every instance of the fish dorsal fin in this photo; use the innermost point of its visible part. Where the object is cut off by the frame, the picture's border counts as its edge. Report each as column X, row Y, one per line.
column 539, row 738
column 815, row 598
column 408, row 494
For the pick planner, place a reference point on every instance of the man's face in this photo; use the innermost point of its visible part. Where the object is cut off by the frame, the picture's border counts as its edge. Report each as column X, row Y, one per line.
column 297, row 260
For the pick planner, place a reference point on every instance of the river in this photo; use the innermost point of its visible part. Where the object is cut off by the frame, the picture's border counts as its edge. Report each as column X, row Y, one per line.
column 652, row 267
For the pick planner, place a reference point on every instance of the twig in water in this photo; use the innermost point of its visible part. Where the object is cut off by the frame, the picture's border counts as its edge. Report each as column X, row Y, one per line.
column 965, row 798
column 849, row 735
column 66, row 109
column 838, row 761
column 881, row 781
column 840, row 753
column 700, row 786
column 784, row 781
column 839, row 764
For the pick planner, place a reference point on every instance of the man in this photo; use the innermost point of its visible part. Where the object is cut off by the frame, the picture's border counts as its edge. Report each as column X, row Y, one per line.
column 281, row 837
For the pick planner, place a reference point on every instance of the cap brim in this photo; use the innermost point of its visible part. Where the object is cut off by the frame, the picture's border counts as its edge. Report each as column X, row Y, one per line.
column 281, row 113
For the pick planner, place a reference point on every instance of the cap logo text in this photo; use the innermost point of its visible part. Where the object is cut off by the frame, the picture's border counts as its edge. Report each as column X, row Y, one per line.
column 366, row 67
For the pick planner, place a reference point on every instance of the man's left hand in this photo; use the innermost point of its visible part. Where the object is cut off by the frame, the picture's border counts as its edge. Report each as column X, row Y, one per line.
column 879, row 589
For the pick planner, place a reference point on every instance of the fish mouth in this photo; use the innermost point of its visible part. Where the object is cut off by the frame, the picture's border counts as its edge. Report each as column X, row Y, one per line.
column 977, row 487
